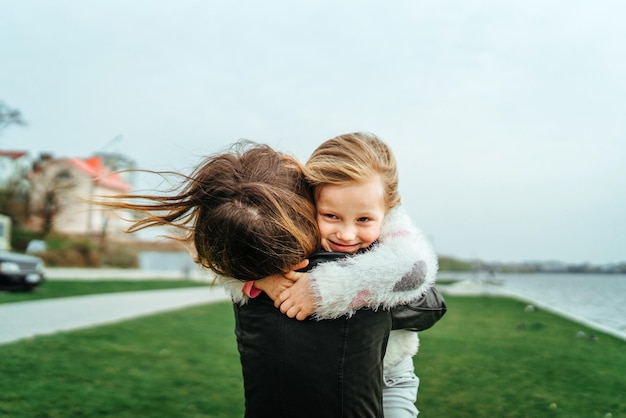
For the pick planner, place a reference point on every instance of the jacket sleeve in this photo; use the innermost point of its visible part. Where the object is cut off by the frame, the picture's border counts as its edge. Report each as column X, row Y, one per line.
column 419, row 314
column 233, row 287
column 401, row 268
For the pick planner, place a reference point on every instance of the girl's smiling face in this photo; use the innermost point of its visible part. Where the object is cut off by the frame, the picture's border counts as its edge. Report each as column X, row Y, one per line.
column 349, row 217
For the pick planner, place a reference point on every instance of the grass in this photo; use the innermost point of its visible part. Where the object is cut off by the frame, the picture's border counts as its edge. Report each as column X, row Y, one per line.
column 487, row 357
column 180, row 364
column 62, row 288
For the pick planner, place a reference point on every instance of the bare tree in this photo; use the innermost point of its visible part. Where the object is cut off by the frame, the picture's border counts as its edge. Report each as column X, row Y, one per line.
column 51, row 193
column 14, row 190
column 14, row 200
column 10, row 116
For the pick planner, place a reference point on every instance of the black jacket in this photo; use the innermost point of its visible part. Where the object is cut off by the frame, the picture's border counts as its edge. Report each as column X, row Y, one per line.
column 317, row 369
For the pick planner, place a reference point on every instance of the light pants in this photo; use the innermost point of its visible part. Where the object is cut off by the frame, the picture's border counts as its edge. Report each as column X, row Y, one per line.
column 400, row 390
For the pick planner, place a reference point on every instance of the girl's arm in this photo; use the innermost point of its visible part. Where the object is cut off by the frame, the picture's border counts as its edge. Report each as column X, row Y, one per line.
column 241, row 291
column 401, row 268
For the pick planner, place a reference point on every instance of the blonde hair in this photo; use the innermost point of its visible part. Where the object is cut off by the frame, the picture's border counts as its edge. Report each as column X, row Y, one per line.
column 248, row 213
column 354, row 158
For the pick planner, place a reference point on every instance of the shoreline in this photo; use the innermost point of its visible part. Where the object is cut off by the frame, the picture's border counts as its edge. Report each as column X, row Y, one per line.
column 544, row 301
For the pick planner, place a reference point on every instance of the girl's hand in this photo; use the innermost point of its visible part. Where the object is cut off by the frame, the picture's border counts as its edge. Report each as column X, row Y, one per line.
column 274, row 285
column 297, row 301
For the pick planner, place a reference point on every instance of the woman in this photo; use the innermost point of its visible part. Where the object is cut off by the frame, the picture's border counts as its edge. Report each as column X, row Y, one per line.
column 248, row 214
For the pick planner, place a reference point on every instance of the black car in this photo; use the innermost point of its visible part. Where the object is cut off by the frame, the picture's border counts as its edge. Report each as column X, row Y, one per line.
column 20, row 271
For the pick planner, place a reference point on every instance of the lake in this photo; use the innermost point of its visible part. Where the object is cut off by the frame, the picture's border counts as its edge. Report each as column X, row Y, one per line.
column 596, row 300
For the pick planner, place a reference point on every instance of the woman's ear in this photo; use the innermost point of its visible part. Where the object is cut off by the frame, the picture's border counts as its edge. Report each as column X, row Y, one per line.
column 301, row 265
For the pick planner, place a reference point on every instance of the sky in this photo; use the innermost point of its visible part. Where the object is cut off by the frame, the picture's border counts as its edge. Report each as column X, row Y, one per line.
column 506, row 118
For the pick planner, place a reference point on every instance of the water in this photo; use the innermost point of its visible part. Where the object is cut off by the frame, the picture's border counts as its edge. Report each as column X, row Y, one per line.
column 597, row 300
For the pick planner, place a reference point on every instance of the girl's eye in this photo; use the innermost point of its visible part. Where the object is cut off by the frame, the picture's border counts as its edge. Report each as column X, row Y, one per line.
column 363, row 219
column 330, row 216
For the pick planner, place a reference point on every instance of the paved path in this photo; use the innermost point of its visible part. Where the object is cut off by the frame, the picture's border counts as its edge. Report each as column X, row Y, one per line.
column 26, row 319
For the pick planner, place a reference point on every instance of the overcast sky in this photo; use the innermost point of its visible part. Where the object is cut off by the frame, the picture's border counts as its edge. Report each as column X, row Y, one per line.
column 507, row 118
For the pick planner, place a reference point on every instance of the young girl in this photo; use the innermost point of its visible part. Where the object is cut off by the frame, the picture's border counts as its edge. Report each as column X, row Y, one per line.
column 355, row 188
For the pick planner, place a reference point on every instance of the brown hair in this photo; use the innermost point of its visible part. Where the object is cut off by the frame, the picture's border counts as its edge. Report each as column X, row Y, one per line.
column 354, row 157
column 248, row 212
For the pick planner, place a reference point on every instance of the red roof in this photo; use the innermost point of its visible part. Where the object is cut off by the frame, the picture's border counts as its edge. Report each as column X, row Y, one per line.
column 13, row 154
column 94, row 168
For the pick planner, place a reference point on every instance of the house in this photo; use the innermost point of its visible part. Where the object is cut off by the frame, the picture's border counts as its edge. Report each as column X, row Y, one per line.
column 62, row 195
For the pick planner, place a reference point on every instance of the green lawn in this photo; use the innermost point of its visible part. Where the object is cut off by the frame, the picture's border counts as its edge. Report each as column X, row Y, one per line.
column 486, row 358
column 180, row 364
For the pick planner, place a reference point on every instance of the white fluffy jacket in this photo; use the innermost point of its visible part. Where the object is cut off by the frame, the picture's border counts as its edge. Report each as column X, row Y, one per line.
column 402, row 344
column 402, row 267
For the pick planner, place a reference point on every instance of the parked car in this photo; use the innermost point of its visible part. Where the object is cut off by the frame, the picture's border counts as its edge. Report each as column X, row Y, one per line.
column 20, row 271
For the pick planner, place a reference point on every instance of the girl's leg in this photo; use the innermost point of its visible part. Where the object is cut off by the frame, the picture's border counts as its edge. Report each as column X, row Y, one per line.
column 400, row 391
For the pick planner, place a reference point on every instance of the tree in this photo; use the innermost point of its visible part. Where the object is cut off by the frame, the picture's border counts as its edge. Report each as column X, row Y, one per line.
column 51, row 192
column 13, row 186
column 10, row 116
